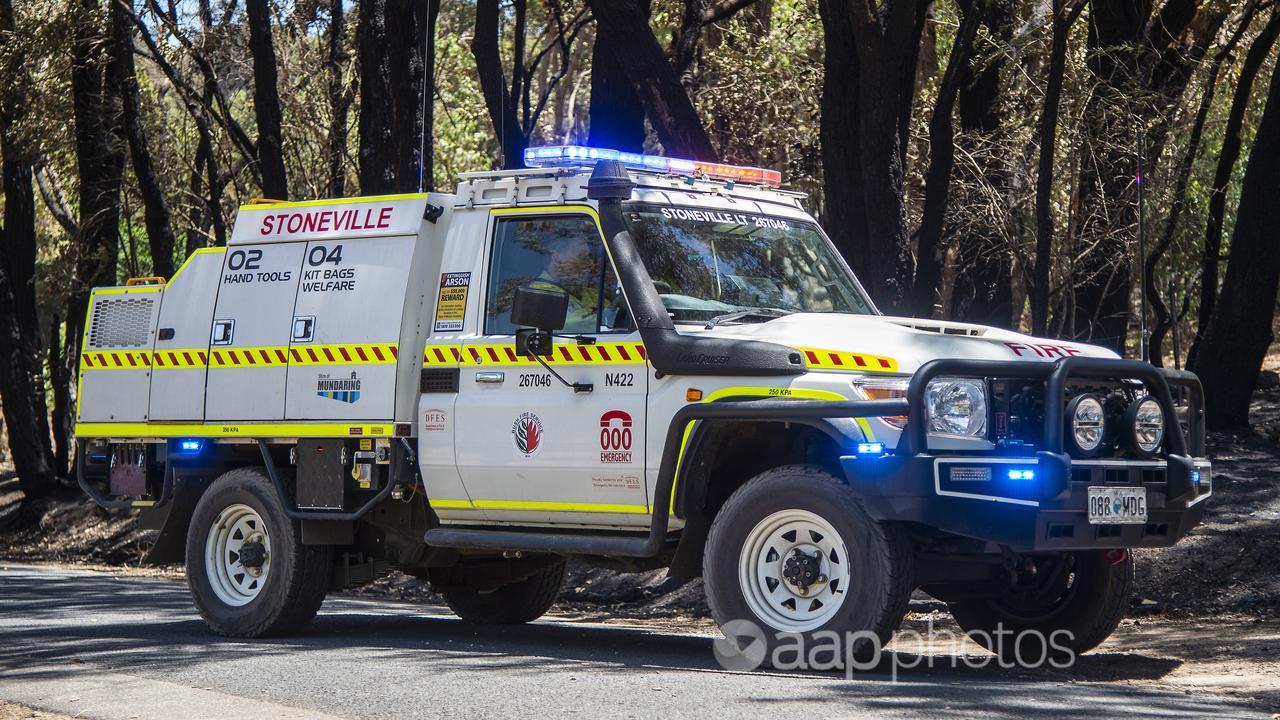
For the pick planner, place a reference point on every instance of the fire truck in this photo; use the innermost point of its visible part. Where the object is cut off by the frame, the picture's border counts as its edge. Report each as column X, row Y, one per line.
column 638, row 361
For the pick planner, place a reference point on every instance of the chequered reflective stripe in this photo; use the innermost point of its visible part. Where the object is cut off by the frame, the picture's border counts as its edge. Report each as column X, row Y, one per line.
column 249, row 357
column 345, row 354
column 180, row 359
column 116, row 360
column 820, row 359
column 564, row 353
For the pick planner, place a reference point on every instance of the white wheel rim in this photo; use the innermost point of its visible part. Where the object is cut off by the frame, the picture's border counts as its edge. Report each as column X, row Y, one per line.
column 778, row 602
column 234, row 583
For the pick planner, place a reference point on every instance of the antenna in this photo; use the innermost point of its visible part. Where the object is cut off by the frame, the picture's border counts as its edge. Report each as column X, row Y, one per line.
column 1142, row 253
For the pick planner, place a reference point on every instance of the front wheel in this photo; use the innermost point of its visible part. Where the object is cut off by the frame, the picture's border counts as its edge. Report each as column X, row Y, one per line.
column 794, row 552
column 1077, row 607
column 249, row 573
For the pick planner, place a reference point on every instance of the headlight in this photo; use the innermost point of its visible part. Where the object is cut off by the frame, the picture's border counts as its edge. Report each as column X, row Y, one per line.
column 957, row 406
column 1086, row 424
column 1144, row 423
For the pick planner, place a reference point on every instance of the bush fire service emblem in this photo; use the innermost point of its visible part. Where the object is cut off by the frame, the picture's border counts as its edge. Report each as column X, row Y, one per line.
column 526, row 431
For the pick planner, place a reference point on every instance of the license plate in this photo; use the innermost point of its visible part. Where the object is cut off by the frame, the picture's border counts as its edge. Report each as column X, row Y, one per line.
column 1117, row 505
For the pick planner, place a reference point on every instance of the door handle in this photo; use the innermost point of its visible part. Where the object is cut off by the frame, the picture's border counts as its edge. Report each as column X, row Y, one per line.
column 490, row 377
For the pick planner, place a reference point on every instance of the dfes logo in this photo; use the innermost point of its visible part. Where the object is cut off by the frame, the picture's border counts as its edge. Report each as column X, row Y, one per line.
column 615, row 437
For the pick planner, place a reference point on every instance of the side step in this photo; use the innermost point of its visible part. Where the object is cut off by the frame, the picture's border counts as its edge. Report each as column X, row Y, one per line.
column 560, row 543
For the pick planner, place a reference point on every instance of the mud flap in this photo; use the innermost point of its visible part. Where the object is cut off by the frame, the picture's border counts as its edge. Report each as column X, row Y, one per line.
column 173, row 519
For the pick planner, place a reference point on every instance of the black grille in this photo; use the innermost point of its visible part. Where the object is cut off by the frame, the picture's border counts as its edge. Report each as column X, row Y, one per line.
column 440, row 380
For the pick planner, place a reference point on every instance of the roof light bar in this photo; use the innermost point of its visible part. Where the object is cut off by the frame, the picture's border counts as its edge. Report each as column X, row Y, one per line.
column 571, row 155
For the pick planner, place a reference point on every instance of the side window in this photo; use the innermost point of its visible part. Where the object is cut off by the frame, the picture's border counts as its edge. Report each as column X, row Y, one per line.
column 564, row 253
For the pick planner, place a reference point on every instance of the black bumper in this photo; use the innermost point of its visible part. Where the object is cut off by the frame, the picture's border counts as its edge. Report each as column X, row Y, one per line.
column 1049, row 512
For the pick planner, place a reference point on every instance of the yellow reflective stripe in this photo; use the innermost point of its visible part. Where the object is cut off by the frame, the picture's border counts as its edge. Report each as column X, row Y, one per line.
column 559, row 506
column 233, row 429
column 180, row 359
column 451, row 504
column 345, row 354
column 818, row 358
column 250, row 357
column 332, row 201
column 441, row 356
column 126, row 290
column 187, row 262
column 116, row 360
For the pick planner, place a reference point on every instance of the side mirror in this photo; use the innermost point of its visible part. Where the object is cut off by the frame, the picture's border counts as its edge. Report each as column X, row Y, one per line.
column 538, row 312
column 539, row 309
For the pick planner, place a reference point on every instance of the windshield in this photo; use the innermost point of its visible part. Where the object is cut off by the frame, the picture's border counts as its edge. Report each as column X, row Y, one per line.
column 707, row 264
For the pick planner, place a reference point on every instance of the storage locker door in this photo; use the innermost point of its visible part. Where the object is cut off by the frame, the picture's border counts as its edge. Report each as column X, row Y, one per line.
column 345, row 329
column 249, row 343
column 181, row 357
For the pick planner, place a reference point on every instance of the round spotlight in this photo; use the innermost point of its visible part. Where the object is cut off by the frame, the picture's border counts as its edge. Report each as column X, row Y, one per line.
column 1087, row 425
column 1144, row 426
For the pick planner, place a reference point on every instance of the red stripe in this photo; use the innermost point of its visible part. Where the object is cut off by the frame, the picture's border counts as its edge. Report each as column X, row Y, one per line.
column 835, row 358
column 475, row 354
column 116, row 359
column 146, row 359
column 564, row 353
column 312, row 354
column 640, row 351
column 266, row 356
column 297, row 356
column 457, row 353
column 884, row 363
column 248, row 356
column 360, row 352
column 862, row 362
column 203, row 360
column 511, row 354
column 395, row 351
column 603, row 353
column 159, row 359
column 235, row 360
column 377, row 352
column 813, row 357
column 493, row 354
column 622, row 350
column 586, row 354
column 345, row 355
column 88, row 360
column 280, row 354
column 439, row 355
column 328, row 354
column 132, row 360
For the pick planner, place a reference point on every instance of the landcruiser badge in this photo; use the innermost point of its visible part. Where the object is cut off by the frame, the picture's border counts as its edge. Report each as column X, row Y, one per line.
column 346, row 390
column 526, row 431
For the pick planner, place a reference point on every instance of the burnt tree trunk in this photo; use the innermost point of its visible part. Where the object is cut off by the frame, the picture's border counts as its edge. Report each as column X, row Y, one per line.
column 391, row 38
column 617, row 115
column 983, row 289
column 1227, row 156
column 869, row 65
column 159, row 222
column 623, row 28
column 21, row 379
column 1060, row 24
column 266, row 101
column 99, row 145
column 498, row 97
column 928, row 278
column 340, row 97
column 1239, row 332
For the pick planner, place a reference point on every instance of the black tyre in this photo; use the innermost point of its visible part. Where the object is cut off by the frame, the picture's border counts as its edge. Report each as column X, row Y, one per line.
column 522, row 601
column 794, row 551
column 1080, row 605
column 249, row 573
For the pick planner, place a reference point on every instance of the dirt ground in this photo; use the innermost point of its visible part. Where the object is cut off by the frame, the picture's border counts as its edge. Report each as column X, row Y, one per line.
column 1205, row 618
column 10, row 711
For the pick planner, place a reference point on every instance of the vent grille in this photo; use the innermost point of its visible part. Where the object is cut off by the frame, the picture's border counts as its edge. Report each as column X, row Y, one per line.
column 440, row 380
column 121, row 322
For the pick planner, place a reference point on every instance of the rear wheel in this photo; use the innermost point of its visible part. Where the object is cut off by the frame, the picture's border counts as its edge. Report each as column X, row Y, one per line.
column 794, row 551
column 249, row 573
column 522, row 601
column 1079, row 605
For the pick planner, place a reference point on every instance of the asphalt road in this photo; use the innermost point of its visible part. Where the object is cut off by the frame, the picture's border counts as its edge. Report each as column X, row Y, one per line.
column 95, row 645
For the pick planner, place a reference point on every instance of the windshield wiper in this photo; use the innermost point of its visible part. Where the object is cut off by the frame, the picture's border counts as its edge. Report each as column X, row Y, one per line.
column 764, row 314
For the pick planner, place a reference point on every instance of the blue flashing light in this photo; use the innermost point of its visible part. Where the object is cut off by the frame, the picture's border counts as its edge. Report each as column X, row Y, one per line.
column 870, row 448
column 1022, row 474
column 190, row 446
column 1195, row 476
column 578, row 155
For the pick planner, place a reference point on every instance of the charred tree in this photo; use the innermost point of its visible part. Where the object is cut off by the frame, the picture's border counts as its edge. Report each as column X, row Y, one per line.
column 498, row 97
column 391, row 44
column 266, row 101
column 616, row 113
column 1239, row 332
column 622, row 26
column 22, row 395
column 159, row 222
column 869, row 80
column 1227, row 157
column 928, row 278
column 340, row 96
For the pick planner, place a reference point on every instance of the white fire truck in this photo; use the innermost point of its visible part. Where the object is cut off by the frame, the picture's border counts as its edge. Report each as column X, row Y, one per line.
column 640, row 361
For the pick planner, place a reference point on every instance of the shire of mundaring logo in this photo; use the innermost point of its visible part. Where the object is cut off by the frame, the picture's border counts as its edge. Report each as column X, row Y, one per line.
column 526, row 433
column 345, row 390
column 746, row 646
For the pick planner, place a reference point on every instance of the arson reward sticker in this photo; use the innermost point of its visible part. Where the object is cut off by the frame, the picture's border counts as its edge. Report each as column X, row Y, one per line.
column 451, row 306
